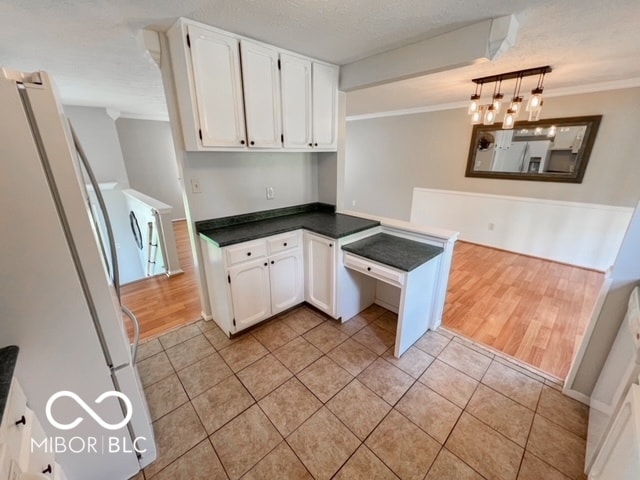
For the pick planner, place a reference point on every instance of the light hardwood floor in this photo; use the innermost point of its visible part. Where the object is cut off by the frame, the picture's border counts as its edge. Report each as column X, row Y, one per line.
column 162, row 303
column 531, row 309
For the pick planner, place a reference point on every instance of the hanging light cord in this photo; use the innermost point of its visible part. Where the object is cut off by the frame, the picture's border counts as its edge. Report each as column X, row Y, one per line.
column 541, row 81
column 516, row 89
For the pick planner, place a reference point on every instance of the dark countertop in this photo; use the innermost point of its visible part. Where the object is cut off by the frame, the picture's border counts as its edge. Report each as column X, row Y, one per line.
column 317, row 218
column 8, row 360
column 397, row 252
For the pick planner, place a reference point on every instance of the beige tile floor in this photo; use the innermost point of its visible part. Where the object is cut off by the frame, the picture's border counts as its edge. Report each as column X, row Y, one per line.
column 305, row 397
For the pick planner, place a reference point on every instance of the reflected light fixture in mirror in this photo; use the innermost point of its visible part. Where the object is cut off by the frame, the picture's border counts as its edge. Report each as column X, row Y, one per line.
column 487, row 114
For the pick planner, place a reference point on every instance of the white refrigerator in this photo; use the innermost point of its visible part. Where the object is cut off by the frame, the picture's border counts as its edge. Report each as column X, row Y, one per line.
column 58, row 300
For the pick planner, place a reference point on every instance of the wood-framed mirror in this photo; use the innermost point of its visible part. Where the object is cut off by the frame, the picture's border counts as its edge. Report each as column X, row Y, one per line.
column 550, row 150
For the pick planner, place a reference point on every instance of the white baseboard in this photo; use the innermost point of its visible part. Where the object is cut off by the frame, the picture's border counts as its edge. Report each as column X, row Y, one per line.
column 581, row 397
column 173, row 273
column 388, row 306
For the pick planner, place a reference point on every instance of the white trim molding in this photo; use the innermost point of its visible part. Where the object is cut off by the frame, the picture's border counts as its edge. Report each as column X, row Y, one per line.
column 586, row 235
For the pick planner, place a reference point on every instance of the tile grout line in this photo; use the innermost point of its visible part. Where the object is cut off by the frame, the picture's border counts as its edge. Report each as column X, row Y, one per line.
column 354, row 377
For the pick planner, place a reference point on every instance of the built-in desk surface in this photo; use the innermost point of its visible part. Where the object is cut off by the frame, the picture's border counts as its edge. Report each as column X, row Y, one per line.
column 394, row 251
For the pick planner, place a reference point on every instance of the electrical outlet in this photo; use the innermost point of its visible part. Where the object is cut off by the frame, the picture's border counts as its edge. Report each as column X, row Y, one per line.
column 270, row 193
column 195, row 186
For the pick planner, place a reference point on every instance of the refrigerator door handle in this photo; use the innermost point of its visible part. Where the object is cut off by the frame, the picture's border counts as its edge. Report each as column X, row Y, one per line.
column 136, row 333
column 103, row 208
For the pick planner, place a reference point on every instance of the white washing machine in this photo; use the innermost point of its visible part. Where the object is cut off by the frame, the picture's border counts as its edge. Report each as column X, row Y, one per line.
column 613, row 398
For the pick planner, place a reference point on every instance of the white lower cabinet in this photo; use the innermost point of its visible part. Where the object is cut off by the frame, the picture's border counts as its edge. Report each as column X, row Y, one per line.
column 251, row 281
column 250, row 293
column 286, row 280
column 265, row 287
column 321, row 259
column 19, row 432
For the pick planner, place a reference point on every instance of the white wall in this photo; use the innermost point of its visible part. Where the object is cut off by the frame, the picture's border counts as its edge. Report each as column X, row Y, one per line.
column 234, row 183
column 97, row 133
column 386, row 157
column 150, row 161
column 606, row 321
column 583, row 234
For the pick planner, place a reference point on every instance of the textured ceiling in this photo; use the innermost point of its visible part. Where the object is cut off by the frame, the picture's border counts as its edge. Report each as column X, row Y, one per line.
column 94, row 51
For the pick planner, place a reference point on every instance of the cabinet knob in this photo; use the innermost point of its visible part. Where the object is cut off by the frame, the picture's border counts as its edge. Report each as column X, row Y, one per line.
column 315, row 144
column 22, row 421
column 311, row 144
column 272, row 262
column 285, row 244
column 330, row 245
column 369, row 269
column 266, row 264
column 248, row 254
column 241, row 142
column 49, row 469
column 252, row 142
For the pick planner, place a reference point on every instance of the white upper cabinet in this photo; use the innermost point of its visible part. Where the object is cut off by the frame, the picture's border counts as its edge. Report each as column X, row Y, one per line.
column 295, row 74
column 325, row 106
column 290, row 101
column 261, row 85
column 309, row 103
column 218, row 88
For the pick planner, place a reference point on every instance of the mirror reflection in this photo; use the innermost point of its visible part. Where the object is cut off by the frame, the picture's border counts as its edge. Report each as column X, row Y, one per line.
column 548, row 150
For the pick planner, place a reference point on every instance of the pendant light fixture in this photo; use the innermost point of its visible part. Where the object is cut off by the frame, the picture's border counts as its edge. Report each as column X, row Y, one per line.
column 490, row 115
column 478, row 115
column 474, row 106
column 497, row 97
column 535, row 100
column 509, row 119
column 516, row 101
column 487, row 114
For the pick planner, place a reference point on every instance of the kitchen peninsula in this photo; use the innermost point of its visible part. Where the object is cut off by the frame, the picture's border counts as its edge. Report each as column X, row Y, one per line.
column 260, row 264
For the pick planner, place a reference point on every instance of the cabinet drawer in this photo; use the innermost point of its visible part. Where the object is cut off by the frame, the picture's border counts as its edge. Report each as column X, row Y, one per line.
column 245, row 251
column 286, row 241
column 373, row 269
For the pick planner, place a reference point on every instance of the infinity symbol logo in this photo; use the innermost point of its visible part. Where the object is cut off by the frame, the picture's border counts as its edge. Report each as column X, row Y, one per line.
column 89, row 410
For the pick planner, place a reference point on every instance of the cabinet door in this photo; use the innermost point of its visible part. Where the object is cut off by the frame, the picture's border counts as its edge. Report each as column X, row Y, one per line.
column 249, row 283
column 286, row 275
column 261, row 82
column 325, row 106
column 215, row 60
column 320, row 267
column 295, row 77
